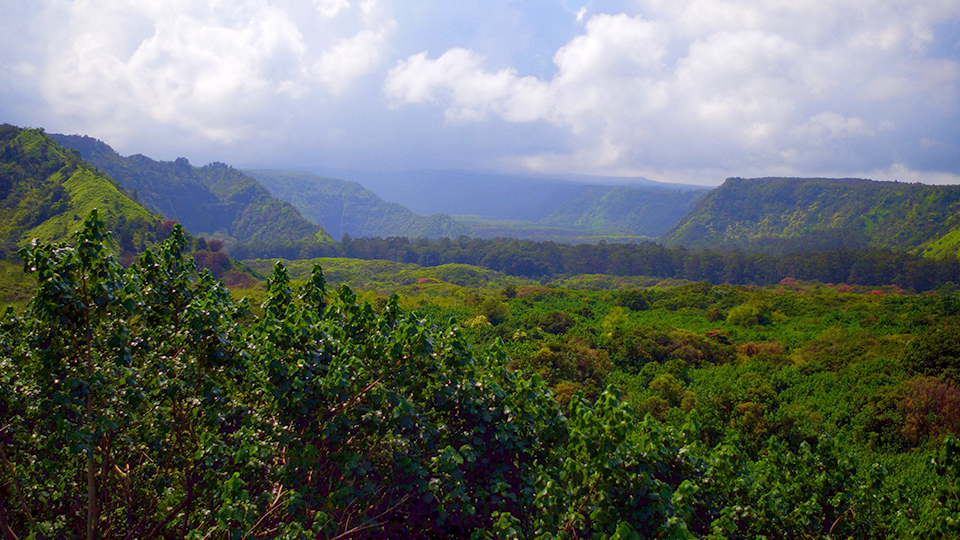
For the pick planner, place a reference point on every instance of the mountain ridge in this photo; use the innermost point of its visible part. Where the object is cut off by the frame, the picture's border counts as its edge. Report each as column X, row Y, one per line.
column 346, row 207
column 638, row 211
column 213, row 200
column 788, row 214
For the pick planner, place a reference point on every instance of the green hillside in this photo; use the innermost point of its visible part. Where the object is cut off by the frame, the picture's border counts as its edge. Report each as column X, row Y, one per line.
column 47, row 190
column 343, row 207
column 792, row 214
column 212, row 200
column 622, row 209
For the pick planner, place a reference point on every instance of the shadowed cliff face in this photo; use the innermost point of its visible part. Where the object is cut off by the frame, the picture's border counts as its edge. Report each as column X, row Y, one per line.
column 791, row 214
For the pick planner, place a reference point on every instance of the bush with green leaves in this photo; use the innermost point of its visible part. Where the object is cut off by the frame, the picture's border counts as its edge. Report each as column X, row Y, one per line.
column 146, row 403
column 935, row 352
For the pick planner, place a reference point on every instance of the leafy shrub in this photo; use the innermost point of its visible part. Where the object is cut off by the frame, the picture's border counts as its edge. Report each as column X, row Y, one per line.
column 494, row 310
column 634, row 300
column 217, row 262
column 573, row 362
column 930, row 409
column 477, row 322
column 639, row 346
column 753, row 314
column 615, row 320
column 936, row 353
column 557, row 322
column 768, row 351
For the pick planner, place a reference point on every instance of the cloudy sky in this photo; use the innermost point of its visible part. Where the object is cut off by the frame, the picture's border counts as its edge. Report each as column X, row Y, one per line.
column 686, row 91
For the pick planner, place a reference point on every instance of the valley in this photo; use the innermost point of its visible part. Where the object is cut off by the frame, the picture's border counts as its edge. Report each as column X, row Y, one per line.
column 192, row 351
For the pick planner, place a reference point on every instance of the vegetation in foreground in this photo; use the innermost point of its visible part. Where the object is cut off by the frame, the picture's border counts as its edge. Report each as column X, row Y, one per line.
column 147, row 403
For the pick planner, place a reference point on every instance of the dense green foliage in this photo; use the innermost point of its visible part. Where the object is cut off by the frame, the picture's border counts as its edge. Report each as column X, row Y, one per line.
column 45, row 190
column 780, row 215
column 375, row 280
column 772, row 369
column 212, row 200
column 347, row 208
column 548, row 260
column 146, row 403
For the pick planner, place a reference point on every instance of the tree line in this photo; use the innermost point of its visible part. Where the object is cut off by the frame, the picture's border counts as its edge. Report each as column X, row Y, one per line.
column 526, row 258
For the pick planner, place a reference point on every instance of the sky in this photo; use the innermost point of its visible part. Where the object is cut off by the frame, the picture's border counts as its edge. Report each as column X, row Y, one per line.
column 689, row 91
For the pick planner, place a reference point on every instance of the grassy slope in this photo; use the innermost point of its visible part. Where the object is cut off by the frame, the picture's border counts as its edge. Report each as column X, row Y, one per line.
column 594, row 213
column 483, row 227
column 53, row 190
column 947, row 245
column 88, row 191
column 447, row 284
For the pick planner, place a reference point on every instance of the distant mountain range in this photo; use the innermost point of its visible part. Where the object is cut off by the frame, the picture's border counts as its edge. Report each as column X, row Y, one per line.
column 492, row 195
column 516, row 207
column 215, row 199
column 564, row 208
column 343, row 207
column 46, row 189
column 780, row 215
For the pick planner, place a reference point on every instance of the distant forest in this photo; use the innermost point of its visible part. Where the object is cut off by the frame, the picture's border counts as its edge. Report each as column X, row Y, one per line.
column 538, row 260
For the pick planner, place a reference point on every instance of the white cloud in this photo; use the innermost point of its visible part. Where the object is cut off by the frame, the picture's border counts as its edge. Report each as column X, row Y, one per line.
column 474, row 92
column 328, row 9
column 731, row 82
column 903, row 173
column 216, row 68
column 603, row 67
column 663, row 89
column 351, row 57
column 828, row 126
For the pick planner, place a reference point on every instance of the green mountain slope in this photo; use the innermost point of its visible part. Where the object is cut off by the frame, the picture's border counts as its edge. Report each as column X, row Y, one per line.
column 622, row 209
column 47, row 190
column 344, row 207
column 214, row 199
column 790, row 214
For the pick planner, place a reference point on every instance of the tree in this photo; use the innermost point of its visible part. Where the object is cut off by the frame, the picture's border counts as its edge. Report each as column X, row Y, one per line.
column 936, row 353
